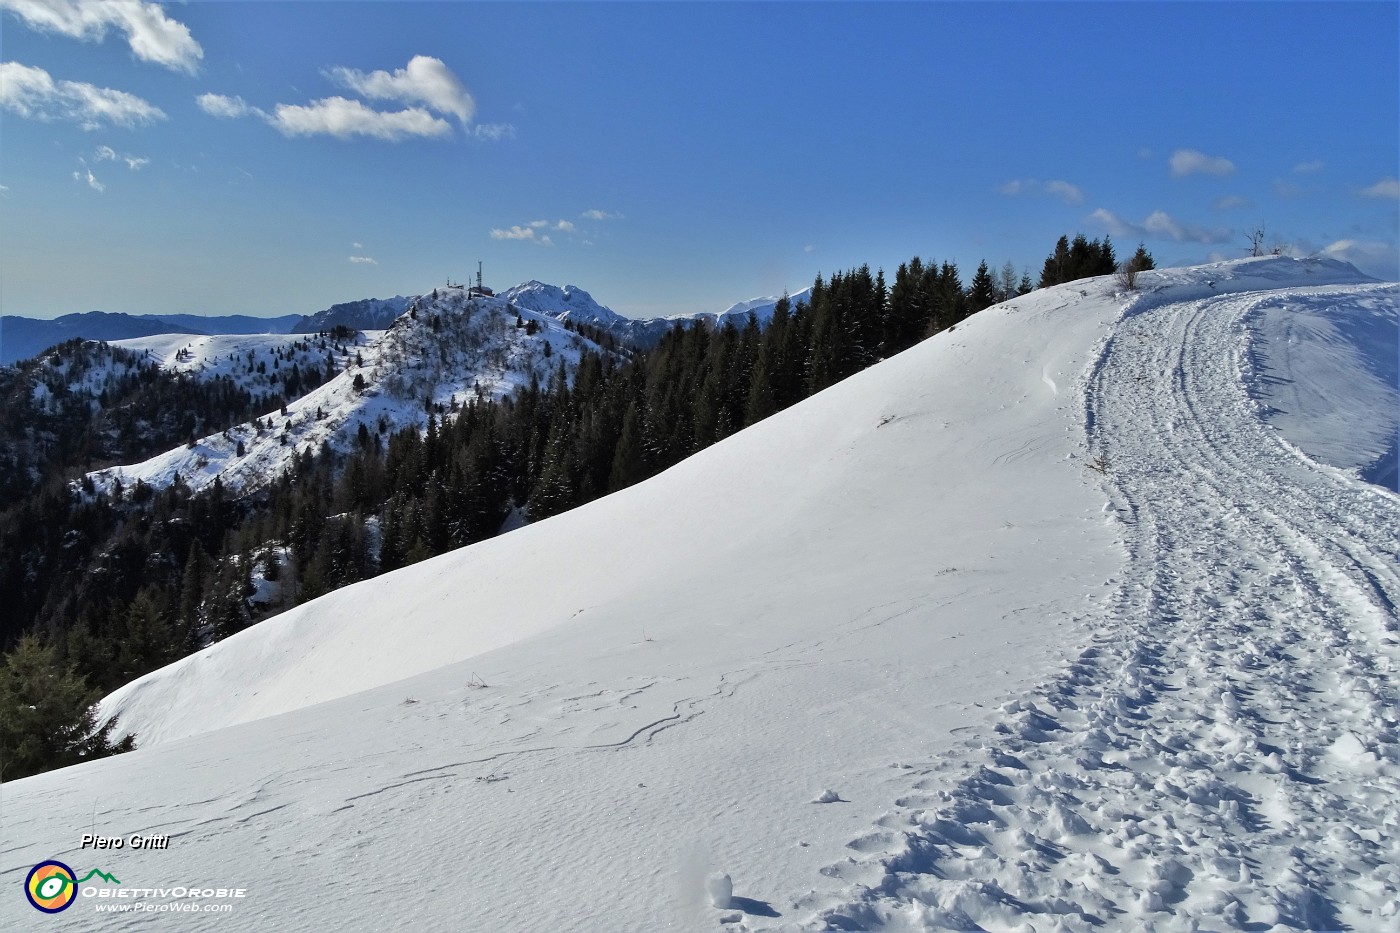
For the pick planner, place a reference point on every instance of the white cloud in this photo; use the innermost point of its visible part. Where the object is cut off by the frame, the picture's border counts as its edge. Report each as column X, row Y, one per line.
column 1386, row 188
column 493, row 131
column 4, row 190
column 1056, row 188
column 1144, row 153
column 600, row 215
column 92, row 182
column 356, row 246
column 809, row 248
column 363, row 260
column 1381, row 260
column 34, row 94
column 426, row 80
column 332, row 116
column 1162, row 224
column 527, row 233
column 1230, row 202
column 1287, row 189
column 564, row 226
column 1065, row 191
column 1194, row 162
column 343, row 118
column 1116, row 226
column 1309, row 168
column 153, row 36
column 108, row 154
column 227, row 108
column 514, row 233
column 1158, row 224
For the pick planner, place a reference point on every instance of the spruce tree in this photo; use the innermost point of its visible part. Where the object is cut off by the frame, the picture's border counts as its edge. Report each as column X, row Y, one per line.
column 983, row 292
column 48, row 714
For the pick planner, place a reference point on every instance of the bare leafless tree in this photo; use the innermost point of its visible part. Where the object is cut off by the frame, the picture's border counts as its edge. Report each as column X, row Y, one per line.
column 1127, row 274
column 1256, row 240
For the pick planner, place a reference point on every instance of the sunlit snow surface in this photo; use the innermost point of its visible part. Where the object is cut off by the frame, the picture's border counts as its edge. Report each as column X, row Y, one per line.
column 1049, row 620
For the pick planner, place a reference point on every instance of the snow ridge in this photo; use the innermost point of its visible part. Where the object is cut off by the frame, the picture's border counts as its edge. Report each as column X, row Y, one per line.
column 1225, row 752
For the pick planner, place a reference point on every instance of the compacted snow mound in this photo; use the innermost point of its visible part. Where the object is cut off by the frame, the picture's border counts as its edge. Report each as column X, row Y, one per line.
column 1329, row 373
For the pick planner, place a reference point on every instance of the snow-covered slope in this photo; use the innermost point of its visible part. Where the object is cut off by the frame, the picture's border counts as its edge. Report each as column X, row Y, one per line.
column 254, row 362
column 450, row 349
column 1037, row 623
column 1329, row 372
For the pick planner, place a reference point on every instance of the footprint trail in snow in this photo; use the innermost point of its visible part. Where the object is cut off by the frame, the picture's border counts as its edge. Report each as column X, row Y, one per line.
column 1224, row 756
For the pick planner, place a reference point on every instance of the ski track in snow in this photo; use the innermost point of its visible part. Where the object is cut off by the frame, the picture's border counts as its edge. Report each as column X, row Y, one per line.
column 1224, row 755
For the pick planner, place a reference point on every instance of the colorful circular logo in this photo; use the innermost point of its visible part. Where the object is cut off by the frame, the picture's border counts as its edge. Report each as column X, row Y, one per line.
column 51, row 887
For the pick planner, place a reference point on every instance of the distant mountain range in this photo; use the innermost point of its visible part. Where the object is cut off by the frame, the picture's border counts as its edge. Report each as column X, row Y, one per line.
column 572, row 303
column 22, row 337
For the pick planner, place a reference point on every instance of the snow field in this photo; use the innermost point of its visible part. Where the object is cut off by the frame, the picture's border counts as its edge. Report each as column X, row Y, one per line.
column 1036, row 626
column 1225, row 754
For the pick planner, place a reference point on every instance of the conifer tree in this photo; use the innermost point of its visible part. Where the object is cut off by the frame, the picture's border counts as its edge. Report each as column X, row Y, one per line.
column 1142, row 259
column 48, row 714
column 982, row 293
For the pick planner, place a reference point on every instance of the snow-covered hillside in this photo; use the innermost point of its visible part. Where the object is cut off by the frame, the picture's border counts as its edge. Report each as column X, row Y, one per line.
column 1041, row 624
column 259, row 363
column 445, row 349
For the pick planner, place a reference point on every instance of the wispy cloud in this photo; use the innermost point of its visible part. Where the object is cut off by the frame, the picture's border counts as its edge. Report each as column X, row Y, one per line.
column 344, row 118
column 364, row 260
column 34, row 94
column 1057, row 188
column 1372, row 257
column 92, row 182
column 493, row 131
column 227, row 108
column 1309, row 168
column 1386, row 189
column 530, row 233
column 1194, row 162
column 1287, row 189
column 596, row 214
column 108, row 154
column 426, row 83
column 809, row 248
column 1158, row 224
column 1230, row 202
column 153, row 36
column 513, row 233
column 426, row 80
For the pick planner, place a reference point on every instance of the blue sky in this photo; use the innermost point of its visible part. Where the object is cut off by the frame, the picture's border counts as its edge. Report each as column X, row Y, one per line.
column 272, row 158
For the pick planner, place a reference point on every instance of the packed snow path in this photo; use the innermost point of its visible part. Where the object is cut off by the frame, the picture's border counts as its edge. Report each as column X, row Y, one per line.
column 1225, row 755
